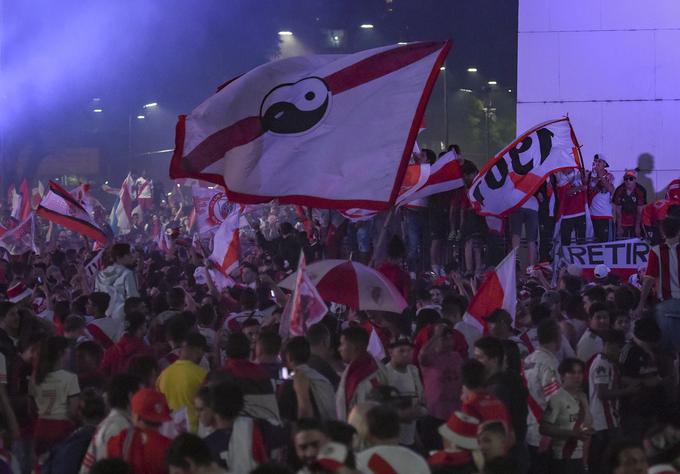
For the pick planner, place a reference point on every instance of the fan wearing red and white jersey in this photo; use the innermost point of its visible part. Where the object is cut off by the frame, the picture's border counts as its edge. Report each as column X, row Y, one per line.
column 600, row 184
column 605, row 390
column 572, row 211
column 567, row 419
column 543, row 382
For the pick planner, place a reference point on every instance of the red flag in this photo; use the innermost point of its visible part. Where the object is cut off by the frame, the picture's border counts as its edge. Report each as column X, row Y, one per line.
column 331, row 131
column 305, row 306
column 60, row 207
column 499, row 290
column 25, row 200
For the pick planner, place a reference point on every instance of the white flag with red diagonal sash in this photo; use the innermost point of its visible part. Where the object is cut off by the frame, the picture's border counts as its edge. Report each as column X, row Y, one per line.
column 60, row 207
column 331, row 131
column 499, row 290
column 444, row 175
column 226, row 244
column 211, row 206
column 305, row 306
column 20, row 238
column 510, row 178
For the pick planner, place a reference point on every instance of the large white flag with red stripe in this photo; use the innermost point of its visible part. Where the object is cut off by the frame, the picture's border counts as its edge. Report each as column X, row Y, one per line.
column 331, row 131
column 60, row 207
column 226, row 244
column 509, row 179
column 304, row 307
column 499, row 290
column 211, row 206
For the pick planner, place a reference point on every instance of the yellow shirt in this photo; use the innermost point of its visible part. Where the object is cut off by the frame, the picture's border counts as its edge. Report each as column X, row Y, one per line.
column 179, row 383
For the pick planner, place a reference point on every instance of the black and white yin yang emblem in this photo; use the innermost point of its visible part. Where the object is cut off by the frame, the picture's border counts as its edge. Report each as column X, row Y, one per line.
column 295, row 107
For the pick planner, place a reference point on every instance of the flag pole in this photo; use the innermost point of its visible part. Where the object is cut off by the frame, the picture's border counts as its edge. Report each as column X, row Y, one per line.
column 383, row 234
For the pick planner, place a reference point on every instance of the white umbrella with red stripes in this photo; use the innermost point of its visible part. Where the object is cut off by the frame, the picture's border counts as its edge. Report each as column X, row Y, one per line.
column 352, row 284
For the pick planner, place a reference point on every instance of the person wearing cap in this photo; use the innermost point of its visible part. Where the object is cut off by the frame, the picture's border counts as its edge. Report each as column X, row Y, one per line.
column 117, row 357
column 362, row 373
column 142, row 446
column 405, row 377
column 601, row 272
column 591, row 343
column 180, row 381
column 600, row 185
column 656, row 211
column 118, row 280
column 461, row 453
column 385, row 454
column 640, row 365
column 629, row 199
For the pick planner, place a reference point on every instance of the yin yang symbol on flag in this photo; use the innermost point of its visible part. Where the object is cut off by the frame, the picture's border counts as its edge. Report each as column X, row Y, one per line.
column 295, row 107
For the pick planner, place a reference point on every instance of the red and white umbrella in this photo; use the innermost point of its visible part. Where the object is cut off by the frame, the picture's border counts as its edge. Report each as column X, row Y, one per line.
column 352, row 284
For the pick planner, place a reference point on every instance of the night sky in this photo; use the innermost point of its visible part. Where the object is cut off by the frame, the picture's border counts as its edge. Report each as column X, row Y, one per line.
column 57, row 57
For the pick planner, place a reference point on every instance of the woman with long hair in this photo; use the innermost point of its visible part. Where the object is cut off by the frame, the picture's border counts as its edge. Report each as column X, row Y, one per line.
column 55, row 392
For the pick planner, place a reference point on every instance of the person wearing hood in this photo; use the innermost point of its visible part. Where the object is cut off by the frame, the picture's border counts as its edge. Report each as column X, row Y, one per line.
column 117, row 357
column 118, row 280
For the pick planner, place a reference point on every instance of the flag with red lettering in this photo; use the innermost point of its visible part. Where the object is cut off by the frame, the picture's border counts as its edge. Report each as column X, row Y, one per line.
column 60, row 207
column 510, row 178
column 95, row 264
column 304, row 307
column 499, row 290
column 20, row 238
column 226, row 244
column 331, row 131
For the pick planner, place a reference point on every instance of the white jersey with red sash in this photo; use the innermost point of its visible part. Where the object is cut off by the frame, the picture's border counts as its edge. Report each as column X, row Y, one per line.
column 564, row 411
column 105, row 331
column 543, row 382
column 144, row 188
column 360, row 376
column 605, row 412
column 663, row 263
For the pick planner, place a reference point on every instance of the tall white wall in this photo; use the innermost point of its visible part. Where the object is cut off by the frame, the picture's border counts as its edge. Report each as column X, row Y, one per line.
column 614, row 67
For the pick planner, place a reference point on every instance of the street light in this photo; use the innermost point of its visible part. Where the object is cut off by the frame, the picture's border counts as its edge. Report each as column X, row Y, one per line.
column 141, row 117
column 285, row 33
column 443, row 68
column 152, row 104
column 472, row 69
column 98, row 111
column 492, row 83
column 367, row 26
column 466, row 90
column 402, row 43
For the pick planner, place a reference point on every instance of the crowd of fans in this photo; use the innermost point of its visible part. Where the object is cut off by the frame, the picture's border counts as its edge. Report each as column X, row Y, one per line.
column 142, row 368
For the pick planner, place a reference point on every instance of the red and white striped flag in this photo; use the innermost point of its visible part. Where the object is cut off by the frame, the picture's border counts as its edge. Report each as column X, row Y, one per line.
column 332, row 131
column 20, row 238
column 226, row 244
column 37, row 195
column 499, row 290
column 304, row 307
column 163, row 240
column 121, row 213
column 26, row 208
column 444, row 175
column 60, row 207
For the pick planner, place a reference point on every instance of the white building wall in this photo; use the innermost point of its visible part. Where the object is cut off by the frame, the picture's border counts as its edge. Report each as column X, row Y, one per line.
column 614, row 67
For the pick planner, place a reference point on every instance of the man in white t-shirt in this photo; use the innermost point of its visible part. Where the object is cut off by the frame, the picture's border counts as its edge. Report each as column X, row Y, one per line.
column 591, row 343
column 604, row 391
column 405, row 377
